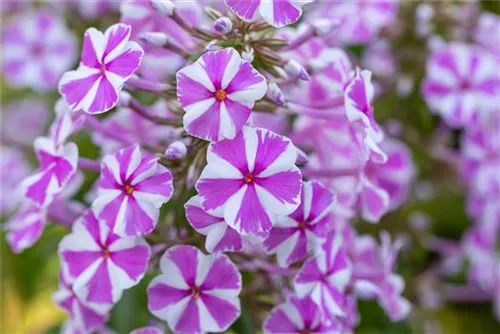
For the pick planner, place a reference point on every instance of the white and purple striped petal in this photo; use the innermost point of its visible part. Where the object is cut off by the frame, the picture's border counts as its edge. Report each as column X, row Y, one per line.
column 132, row 188
column 66, row 122
column 100, row 263
column 195, row 293
column 218, row 92
column 57, row 165
column 298, row 234
column 14, row 168
column 25, row 227
column 325, row 277
column 220, row 236
column 107, row 61
column 277, row 13
column 250, row 179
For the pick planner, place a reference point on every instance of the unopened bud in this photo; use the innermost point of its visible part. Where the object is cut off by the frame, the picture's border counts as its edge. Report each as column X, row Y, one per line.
column 124, row 99
column 302, row 158
column 294, row 69
column 248, row 54
column 324, row 27
column 175, row 151
column 275, row 93
column 164, row 7
column 157, row 39
column 223, row 25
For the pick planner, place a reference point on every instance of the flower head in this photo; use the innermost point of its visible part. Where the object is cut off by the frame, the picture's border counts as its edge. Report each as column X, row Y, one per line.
column 195, row 293
column 100, row 263
column 25, row 227
column 325, row 277
column 298, row 315
column 250, row 179
column 218, row 92
column 297, row 234
column 462, row 83
column 107, row 61
column 36, row 50
column 57, row 165
column 132, row 188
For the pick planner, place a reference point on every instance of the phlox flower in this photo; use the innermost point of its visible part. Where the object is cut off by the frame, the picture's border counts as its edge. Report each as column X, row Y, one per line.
column 25, row 227
column 360, row 20
column 383, row 187
column 108, row 60
column 250, row 179
column 461, row 84
column 83, row 317
column 195, row 293
column 57, row 165
column 298, row 315
column 14, row 168
column 296, row 235
column 218, row 92
column 325, row 277
column 277, row 13
column 66, row 123
column 358, row 98
column 36, row 50
column 132, row 188
column 373, row 267
column 486, row 32
column 100, row 263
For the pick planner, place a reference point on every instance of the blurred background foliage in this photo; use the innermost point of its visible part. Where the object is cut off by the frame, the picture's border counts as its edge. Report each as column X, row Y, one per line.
column 29, row 279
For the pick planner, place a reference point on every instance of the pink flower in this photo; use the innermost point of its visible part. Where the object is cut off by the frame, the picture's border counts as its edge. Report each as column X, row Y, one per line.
column 325, row 277
column 250, row 179
column 28, row 116
column 462, row 83
column 57, row 165
column 25, row 227
column 218, row 92
column 195, row 293
column 359, row 110
column 14, row 168
column 361, row 20
column 132, row 188
column 83, row 316
column 486, row 33
column 147, row 330
column 100, row 263
column 107, row 61
column 36, row 50
column 296, row 235
column 372, row 268
column 277, row 13
column 297, row 316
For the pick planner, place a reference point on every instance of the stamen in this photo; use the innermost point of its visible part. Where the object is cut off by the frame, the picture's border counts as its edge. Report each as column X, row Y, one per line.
column 220, row 94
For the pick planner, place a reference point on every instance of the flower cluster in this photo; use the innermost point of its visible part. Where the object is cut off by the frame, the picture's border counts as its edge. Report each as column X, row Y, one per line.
column 242, row 160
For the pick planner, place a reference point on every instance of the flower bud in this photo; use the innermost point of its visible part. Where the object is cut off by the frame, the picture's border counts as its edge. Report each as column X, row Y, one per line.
column 275, row 93
column 175, row 151
column 164, row 7
column 294, row 69
column 223, row 25
column 212, row 46
column 248, row 54
column 157, row 39
column 302, row 158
